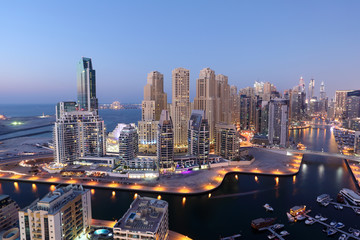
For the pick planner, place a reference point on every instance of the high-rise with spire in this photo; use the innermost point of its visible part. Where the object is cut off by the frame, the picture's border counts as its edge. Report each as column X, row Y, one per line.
column 86, row 86
column 180, row 106
column 322, row 91
column 311, row 88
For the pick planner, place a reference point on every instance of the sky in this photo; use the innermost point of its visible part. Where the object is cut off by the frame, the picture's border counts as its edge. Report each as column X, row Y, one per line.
column 41, row 43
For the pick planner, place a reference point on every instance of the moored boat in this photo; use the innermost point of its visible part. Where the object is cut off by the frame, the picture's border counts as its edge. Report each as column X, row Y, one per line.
column 284, row 233
column 268, row 207
column 290, row 218
column 322, row 197
column 323, row 219
column 350, row 195
column 309, row 221
column 339, row 225
column 331, row 231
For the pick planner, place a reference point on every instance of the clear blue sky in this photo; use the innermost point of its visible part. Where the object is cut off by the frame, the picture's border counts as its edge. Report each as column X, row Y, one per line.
column 277, row 41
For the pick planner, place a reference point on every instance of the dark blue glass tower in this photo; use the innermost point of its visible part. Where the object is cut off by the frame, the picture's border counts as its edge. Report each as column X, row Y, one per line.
column 86, row 86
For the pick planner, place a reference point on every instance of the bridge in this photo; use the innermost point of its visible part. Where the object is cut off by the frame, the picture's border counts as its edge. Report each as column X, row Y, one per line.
column 326, row 154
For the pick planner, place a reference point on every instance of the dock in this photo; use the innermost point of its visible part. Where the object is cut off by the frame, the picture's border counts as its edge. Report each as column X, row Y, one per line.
column 269, row 228
column 348, row 235
column 346, row 204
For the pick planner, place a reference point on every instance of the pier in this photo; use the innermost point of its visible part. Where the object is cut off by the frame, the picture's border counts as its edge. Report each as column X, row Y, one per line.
column 346, row 204
column 348, row 235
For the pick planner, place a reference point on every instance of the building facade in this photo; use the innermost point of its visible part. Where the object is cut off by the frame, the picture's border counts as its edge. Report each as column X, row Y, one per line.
column 278, row 122
column 8, row 212
column 199, row 137
column 78, row 134
column 227, row 141
column 180, row 106
column 86, row 86
column 165, row 143
column 63, row 214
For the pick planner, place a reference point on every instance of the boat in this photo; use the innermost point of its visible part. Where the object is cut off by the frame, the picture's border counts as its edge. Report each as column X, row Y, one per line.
column 322, row 197
column 300, row 217
column 339, row 225
column 296, row 210
column 323, row 219
column 290, row 218
column 331, row 231
column 271, row 236
column 350, row 195
column 357, row 210
column 277, row 226
column 338, row 206
column 340, row 198
column 284, row 233
column 262, row 222
column 342, row 237
column 356, row 232
column 333, row 223
column 317, row 216
column 325, row 203
column 268, row 207
column 309, row 221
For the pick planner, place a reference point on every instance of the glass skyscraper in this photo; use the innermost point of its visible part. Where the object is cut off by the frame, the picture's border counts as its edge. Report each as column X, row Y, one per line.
column 86, row 86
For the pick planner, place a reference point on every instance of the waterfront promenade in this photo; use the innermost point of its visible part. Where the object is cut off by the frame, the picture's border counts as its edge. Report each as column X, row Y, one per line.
column 195, row 182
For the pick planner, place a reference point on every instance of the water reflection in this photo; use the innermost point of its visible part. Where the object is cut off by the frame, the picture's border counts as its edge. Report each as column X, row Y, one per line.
column 256, row 179
column 321, row 171
column 294, row 179
column 16, row 186
column 34, row 188
column 183, row 201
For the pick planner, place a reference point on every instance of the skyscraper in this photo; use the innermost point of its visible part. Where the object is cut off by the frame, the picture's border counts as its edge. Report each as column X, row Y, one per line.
column 154, row 91
column 322, row 91
column 198, row 137
column 165, row 143
column 128, row 143
column 340, row 103
column 311, row 89
column 78, row 134
column 353, row 104
column 227, row 141
column 234, row 105
column 205, row 98
column 86, row 86
column 180, row 106
column 222, row 92
column 278, row 122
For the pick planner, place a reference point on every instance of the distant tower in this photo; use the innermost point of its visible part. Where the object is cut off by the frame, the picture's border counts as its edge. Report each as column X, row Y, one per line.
column 311, row 88
column 86, row 86
column 278, row 122
column 322, row 91
column 302, row 84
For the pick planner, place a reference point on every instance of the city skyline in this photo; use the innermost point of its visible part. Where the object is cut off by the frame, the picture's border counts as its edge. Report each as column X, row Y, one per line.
column 275, row 42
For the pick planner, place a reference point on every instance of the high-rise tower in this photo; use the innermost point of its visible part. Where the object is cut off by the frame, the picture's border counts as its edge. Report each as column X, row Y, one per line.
column 154, row 91
column 86, row 86
column 165, row 143
column 311, row 88
column 180, row 106
column 322, row 91
column 205, row 97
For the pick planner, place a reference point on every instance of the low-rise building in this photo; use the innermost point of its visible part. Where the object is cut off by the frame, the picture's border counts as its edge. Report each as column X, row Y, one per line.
column 8, row 212
column 63, row 214
column 147, row 218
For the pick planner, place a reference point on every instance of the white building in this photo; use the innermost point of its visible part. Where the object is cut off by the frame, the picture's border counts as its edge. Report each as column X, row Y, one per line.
column 147, row 218
column 62, row 214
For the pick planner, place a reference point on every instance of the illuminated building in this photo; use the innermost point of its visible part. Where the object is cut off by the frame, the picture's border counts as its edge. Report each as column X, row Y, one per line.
column 234, row 105
column 64, row 107
column 245, row 111
column 205, row 98
column 340, row 103
column 180, row 106
column 78, row 134
column 322, row 91
column 278, row 122
column 227, row 141
column 222, row 92
column 165, row 143
column 115, row 105
column 297, row 106
column 8, row 212
column 357, row 143
column 199, row 137
column 147, row 136
column 128, row 143
column 86, row 86
column 147, row 218
column 311, row 88
column 64, row 213
column 353, row 104
column 262, row 117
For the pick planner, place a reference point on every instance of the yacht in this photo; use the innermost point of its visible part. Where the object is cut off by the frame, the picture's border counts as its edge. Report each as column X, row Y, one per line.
column 331, row 231
column 271, row 236
column 356, row 232
column 284, row 233
column 322, row 197
column 268, row 207
column 277, row 226
column 333, row 223
column 317, row 216
column 291, row 218
column 339, row 225
column 338, row 206
column 350, row 195
column 342, row 237
column 300, row 217
column 323, row 219
column 357, row 210
column 309, row 221
column 325, row 203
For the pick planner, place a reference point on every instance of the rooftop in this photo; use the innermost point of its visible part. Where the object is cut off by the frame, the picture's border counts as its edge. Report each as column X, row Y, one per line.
column 144, row 215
